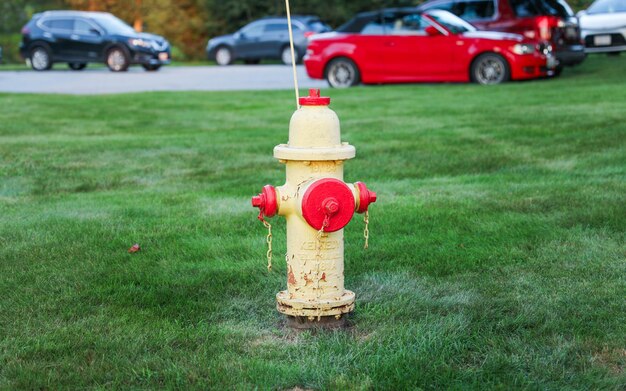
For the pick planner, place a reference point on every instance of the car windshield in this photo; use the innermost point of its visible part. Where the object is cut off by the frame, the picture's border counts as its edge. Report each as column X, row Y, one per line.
column 114, row 25
column 452, row 22
column 530, row 8
column 607, row 7
column 318, row 26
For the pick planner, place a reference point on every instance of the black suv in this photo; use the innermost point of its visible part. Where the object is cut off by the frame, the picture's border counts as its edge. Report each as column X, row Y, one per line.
column 266, row 38
column 78, row 38
column 551, row 22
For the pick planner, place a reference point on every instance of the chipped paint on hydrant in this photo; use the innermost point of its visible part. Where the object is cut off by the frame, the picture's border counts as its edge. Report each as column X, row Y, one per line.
column 317, row 205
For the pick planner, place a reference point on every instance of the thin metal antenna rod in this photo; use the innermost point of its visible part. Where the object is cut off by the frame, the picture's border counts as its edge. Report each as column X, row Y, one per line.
column 293, row 55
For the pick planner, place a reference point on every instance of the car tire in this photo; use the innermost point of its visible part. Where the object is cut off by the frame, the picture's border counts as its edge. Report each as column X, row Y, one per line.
column 224, row 56
column 342, row 73
column 151, row 67
column 117, row 60
column 40, row 58
column 77, row 66
column 285, row 55
column 490, row 68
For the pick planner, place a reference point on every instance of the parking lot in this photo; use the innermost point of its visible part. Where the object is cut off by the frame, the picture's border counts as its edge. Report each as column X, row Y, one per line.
column 173, row 78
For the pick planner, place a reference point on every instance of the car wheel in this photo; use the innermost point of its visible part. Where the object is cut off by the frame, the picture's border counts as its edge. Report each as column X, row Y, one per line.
column 224, row 56
column 151, row 67
column 40, row 59
column 342, row 73
column 117, row 60
column 285, row 55
column 77, row 66
column 490, row 68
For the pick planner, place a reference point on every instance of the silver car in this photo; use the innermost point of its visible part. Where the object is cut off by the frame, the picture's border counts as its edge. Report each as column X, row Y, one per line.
column 603, row 26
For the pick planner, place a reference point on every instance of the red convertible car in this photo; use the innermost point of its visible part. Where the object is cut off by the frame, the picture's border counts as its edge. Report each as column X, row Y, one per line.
column 404, row 45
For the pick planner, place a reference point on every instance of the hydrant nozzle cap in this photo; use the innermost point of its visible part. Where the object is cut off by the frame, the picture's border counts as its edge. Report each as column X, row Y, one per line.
column 314, row 99
column 266, row 201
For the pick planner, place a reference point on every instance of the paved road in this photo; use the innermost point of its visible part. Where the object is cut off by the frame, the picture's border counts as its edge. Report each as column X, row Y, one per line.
column 200, row 78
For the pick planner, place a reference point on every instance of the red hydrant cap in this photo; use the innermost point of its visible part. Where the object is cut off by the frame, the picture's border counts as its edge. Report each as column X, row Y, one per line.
column 328, row 201
column 366, row 197
column 266, row 201
column 314, row 99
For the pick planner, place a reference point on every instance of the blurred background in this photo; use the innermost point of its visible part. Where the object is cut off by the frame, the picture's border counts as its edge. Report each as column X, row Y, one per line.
column 187, row 24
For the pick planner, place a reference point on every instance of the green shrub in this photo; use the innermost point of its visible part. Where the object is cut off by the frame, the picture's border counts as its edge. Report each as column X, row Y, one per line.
column 10, row 44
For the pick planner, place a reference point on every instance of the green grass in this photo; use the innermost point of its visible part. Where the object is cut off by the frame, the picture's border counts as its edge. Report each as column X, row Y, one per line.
column 497, row 256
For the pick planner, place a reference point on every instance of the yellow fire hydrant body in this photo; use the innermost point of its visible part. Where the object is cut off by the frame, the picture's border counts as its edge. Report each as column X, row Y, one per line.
column 317, row 204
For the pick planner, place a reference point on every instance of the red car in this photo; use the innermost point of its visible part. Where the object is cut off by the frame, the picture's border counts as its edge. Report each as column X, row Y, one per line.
column 549, row 21
column 404, row 45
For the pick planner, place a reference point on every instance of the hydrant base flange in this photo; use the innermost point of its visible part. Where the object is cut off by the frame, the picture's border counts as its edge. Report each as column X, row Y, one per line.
column 318, row 308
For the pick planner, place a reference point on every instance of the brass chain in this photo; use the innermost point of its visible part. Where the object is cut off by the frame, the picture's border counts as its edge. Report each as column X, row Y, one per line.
column 366, row 231
column 268, row 239
column 269, row 245
column 319, row 237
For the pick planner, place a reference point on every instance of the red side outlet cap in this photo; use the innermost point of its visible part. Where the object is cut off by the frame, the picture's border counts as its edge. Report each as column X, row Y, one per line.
column 266, row 201
column 366, row 197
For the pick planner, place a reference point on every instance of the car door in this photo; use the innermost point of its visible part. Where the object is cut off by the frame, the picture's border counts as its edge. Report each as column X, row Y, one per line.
column 414, row 55
column 87, row 41
column 275, row 35
column 370, row 51
column 248, row 40
column 58, row 33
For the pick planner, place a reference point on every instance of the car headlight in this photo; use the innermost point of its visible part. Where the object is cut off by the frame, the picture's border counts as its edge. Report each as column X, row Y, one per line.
column 140, row 43
column 545, row 48
column 523, row 48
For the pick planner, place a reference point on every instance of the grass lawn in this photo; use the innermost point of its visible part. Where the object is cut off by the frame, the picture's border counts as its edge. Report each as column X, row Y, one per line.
column 497, row 252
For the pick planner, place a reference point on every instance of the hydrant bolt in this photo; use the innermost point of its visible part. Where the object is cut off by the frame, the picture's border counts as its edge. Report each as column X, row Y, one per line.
column 331, row 206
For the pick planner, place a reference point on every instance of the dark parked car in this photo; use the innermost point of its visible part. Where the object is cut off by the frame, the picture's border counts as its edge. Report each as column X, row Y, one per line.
column 551, row 21
column 78, row 38
column 267, row 38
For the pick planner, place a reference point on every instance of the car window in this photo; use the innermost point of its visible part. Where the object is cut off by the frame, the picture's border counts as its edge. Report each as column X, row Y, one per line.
column 529, row 8
column 275, row 27
column 412, row 24
column 254, row 30
column 114, row 25
column 556, row 7
column 358, row 23
column 446, row 6
column 280, row 27
column 472, row 10
column 451, row 22
column 374, row 27
column 59, row 24
column 83, row 27
column 319, row 26
column 607, row 7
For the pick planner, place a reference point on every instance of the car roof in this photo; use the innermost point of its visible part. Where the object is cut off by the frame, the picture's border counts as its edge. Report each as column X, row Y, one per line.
column 71, row 13
column 361, row 19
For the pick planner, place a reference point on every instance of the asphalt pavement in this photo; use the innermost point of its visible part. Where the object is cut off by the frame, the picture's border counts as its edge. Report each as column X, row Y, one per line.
column 174, row 78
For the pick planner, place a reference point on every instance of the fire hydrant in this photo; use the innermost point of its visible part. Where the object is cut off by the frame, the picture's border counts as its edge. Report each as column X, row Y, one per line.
column 317, row 204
